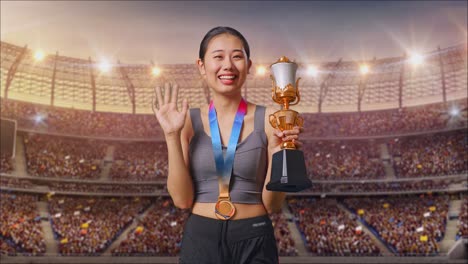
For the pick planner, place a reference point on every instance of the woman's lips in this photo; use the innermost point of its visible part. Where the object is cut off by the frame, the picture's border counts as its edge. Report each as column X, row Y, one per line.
column 227, row 79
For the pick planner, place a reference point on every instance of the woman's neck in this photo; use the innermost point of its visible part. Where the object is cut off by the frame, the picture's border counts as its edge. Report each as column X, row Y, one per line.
column 226, row 105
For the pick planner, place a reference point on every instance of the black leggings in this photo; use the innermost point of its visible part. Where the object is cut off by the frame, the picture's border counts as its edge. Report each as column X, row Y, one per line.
column 243, row 241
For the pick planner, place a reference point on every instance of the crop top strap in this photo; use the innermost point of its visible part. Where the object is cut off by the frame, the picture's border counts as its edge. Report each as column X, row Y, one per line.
column 195, row 116
column 259, row 121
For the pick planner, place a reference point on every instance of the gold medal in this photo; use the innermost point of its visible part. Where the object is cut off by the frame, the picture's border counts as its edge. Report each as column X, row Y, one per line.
column 224, row 209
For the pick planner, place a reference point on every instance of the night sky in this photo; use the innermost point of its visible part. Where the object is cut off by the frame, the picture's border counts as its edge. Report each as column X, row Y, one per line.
column 170, row 32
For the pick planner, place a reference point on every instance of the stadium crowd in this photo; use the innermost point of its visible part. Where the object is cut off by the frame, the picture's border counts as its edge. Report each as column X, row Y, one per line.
column 430, row 155
column 7, row 249
column 463, row 220
column 87, row 226
column 139, row 161
column 360, row 187
column 284, row 241
column 343, row 160
column 159, row 233
column 370, row 123
column 329, row 231
column 80, row 122
column 50, row 156
column 409, row 225
column 385, row 122
column 20, row 229
column 6, row 163
column 107, row 188
column 15, row 183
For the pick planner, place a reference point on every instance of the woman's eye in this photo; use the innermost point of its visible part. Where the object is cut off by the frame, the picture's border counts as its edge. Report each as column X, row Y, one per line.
column 218, row 57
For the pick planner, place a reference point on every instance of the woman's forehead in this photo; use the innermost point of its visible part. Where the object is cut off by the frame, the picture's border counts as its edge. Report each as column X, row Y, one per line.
column 224, row 42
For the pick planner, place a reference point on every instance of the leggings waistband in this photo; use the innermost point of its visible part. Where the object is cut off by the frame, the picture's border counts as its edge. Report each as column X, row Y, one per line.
column 232, row 230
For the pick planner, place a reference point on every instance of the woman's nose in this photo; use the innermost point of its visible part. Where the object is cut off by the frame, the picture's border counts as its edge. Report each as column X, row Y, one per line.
column 227, row 64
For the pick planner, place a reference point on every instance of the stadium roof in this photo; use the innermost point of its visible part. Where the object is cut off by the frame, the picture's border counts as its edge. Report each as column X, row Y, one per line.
column 340, row 87
column 169, row 32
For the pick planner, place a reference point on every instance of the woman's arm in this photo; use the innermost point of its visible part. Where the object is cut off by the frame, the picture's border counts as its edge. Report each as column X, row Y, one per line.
column 179, row 180
column 273, row 201
column 177, row 131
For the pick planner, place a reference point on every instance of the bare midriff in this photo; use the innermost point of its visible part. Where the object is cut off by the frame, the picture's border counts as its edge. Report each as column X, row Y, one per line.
column 242, row 210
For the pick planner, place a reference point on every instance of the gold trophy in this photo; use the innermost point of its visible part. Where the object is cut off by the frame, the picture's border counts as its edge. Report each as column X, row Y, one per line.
column 288, row 171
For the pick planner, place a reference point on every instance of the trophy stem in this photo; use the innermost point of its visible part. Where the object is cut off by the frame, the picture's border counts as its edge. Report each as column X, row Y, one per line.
column 285, row 103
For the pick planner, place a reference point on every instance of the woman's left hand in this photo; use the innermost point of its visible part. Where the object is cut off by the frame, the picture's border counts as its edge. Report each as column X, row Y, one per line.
column 288, row 135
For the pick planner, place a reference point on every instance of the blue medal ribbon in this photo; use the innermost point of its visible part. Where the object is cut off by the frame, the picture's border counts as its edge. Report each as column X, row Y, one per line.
column 224, row 164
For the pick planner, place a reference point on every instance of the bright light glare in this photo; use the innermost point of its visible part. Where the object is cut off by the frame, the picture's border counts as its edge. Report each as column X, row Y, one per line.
column 39, row 55
column 416, row 59
column 155, row 71
column 364, row 69
column 454, row 111
column 38, row 119
column 104, row 66
column 261, row 70
column 312, row 70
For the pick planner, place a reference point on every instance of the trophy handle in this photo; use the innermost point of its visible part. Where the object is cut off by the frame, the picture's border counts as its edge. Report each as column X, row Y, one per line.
column 273, row 93
column 298, row 96
column 273, row 121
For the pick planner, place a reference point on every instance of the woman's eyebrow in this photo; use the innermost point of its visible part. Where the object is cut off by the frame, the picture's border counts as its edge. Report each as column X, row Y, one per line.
column 219, row 50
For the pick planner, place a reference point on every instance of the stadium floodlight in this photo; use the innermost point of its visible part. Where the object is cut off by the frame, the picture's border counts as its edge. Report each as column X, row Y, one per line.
column 38, row 118
column 104, row 66
column 364, row 69
column 155, row 71
column 39, row 55
column 312, row 70
column 416, row 59
column 261, row 70
column 454, row 111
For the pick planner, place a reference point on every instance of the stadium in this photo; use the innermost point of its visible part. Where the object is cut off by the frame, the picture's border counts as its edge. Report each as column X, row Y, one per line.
column 84, row 161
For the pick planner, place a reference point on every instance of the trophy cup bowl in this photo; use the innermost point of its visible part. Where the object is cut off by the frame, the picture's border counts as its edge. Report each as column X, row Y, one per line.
column 288, row 171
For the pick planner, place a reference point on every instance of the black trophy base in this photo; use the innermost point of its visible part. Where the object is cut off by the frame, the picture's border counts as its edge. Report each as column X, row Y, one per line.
column 288, row 172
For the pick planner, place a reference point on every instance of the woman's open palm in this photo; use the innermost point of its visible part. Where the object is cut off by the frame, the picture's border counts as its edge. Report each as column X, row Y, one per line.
column 169, row 117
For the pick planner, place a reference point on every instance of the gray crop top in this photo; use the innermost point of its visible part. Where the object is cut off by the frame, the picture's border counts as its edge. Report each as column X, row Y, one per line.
column 250, row 163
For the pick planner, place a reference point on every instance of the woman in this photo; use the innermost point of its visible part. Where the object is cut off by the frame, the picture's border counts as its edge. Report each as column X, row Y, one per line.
column 227, row 196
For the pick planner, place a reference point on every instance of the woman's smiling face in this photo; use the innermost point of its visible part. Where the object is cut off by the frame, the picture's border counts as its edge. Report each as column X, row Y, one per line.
column 225, row 65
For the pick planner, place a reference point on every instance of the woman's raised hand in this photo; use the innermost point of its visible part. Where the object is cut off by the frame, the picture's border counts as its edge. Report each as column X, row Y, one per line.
column 169, row 117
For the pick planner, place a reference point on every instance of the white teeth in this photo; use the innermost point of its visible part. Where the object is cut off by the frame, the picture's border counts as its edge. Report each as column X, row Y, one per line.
column 227, row 77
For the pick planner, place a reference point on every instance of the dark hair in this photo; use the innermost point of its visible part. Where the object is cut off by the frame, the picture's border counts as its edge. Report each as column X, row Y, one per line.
column 218, row 31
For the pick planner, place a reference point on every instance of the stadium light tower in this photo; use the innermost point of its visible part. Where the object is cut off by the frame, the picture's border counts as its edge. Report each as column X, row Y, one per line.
column 261, row 70
column 39, row 55
column 416, row 59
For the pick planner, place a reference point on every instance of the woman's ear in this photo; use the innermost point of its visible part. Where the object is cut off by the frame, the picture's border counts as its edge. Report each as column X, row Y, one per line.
column 248, row 66
column 201, row 67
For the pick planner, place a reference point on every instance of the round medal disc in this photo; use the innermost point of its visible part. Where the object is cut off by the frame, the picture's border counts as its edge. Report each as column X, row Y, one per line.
column 224, row 210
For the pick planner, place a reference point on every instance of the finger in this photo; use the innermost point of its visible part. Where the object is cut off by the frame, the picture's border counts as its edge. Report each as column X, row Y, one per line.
column 153, row 105
column 278, row 133
column 301, row 129
column 175, row 92
column 290, row 138
column 298, row 143
column 157, row 90
column 167, row 93
column 293, row 131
